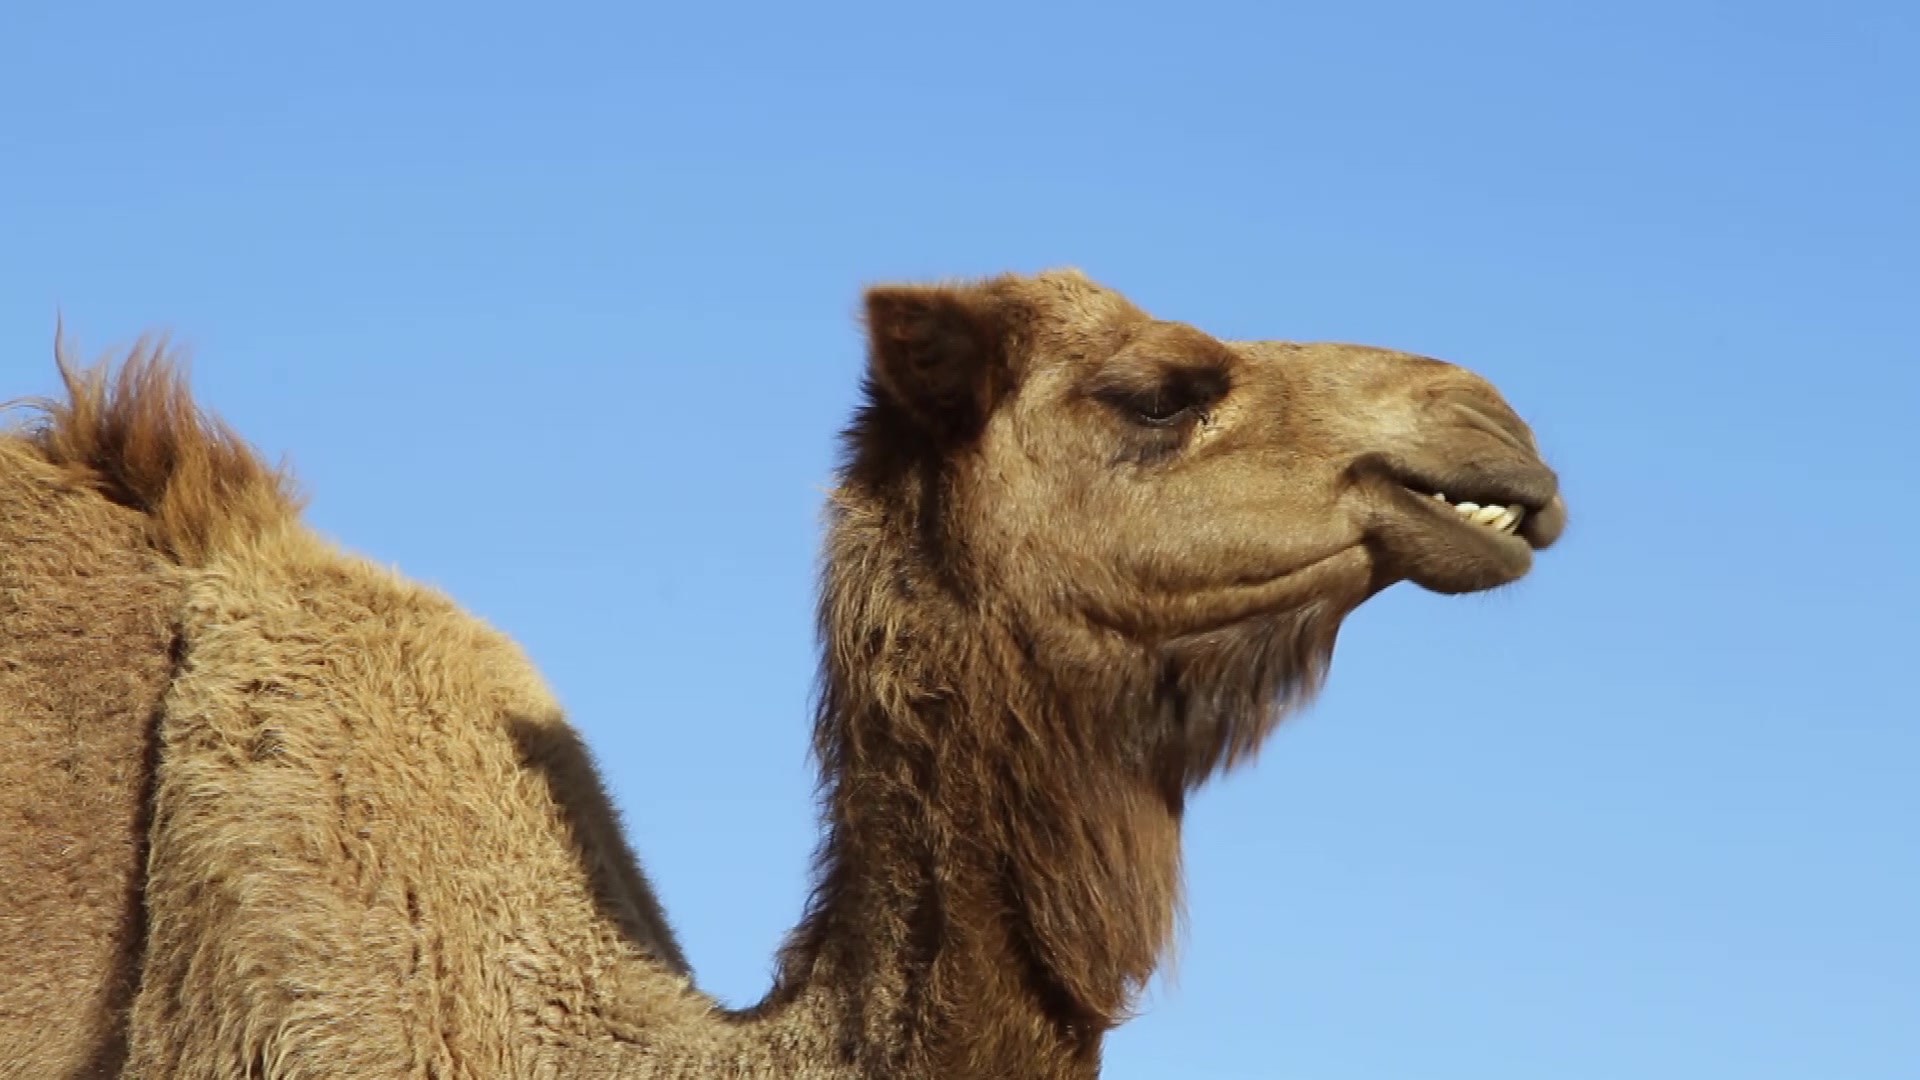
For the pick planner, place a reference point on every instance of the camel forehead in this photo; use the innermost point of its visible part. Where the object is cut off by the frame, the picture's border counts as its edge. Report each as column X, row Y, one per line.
column 1073, row 301
column 1331, row 351
column 1078, row 305
column 1084, row 321
column 1341, row 362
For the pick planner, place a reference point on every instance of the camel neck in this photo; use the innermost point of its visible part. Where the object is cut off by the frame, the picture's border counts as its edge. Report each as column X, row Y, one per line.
column 995, row 886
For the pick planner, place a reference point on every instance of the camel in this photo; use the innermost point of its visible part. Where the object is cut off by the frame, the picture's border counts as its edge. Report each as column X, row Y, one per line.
column 270, row 810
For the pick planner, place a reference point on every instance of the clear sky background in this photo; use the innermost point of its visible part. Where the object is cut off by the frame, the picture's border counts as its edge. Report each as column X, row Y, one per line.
column 553, row 306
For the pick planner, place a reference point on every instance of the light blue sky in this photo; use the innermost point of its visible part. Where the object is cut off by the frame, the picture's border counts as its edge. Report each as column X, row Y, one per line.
column 555, row 310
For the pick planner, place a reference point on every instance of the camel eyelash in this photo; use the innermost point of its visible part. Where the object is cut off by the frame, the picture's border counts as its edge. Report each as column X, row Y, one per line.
column 1154, row 408
column 1178, row 395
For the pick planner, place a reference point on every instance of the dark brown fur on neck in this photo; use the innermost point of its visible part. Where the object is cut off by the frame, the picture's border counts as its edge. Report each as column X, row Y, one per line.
column 1004, row 780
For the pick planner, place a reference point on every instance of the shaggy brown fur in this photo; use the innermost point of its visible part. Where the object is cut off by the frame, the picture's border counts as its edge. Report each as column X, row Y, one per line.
column 1079, row 560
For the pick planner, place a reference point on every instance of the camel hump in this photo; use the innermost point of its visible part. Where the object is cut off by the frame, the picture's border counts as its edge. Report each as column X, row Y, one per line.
column 133, row 432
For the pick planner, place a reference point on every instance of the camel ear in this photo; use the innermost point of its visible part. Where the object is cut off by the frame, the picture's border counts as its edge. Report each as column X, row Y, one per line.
column 939, row 353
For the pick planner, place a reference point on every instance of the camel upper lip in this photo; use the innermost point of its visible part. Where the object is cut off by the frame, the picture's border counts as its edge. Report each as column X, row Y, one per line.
column 1529, row 486
column 1478, row 496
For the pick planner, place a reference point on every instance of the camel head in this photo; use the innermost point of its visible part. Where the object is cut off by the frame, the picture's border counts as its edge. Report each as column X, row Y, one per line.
column 1182, row 518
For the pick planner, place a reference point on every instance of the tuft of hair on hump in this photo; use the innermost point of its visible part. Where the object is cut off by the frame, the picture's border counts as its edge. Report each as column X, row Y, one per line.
column 133, row 433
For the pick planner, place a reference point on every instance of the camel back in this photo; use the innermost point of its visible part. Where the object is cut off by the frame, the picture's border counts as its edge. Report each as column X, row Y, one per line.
column 263, row 804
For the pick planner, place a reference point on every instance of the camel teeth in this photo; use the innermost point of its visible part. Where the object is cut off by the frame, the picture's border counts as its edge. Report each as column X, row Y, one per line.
column 1503, row 519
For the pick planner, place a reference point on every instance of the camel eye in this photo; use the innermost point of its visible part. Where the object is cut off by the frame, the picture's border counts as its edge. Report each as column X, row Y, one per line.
column 1163, row 410
column 1172, row 400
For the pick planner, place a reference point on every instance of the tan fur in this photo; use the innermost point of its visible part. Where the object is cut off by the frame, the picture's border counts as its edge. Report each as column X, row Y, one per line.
column 1079, row 560
column 84, row 659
